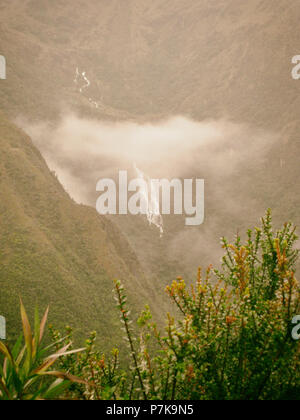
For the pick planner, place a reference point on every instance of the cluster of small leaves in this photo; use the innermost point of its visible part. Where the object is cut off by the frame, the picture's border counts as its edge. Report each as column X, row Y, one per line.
column 103, row 379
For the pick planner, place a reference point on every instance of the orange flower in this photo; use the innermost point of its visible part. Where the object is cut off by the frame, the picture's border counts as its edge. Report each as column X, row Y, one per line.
column 230, row 320
column 102, row 363
column 190, row 374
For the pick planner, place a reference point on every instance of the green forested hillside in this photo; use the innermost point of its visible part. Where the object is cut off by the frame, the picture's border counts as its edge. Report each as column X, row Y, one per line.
column 55, row 251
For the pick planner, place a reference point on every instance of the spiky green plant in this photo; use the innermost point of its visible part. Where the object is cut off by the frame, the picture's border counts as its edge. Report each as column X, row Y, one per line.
column 27, row 372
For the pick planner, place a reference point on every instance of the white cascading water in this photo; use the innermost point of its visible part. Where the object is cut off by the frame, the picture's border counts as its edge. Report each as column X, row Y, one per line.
column 153, row 213
column 84, row 83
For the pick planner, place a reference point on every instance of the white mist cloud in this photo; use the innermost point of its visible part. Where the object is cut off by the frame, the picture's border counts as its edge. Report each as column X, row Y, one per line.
column 232, row 158
column 81, row 151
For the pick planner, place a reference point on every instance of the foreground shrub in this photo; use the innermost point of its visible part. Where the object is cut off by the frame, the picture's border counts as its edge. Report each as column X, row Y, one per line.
column 231, row 339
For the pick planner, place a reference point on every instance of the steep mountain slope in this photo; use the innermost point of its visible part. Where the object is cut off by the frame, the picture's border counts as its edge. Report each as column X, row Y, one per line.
column 204, row 59
column 55, row 251
column 147, row 60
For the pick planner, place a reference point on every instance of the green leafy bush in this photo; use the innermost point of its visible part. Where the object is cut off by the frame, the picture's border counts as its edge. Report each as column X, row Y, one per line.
column 229, row 340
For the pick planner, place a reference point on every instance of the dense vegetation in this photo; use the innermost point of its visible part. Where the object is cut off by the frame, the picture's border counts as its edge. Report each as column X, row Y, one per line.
column 230, row 339
column 51, row 247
